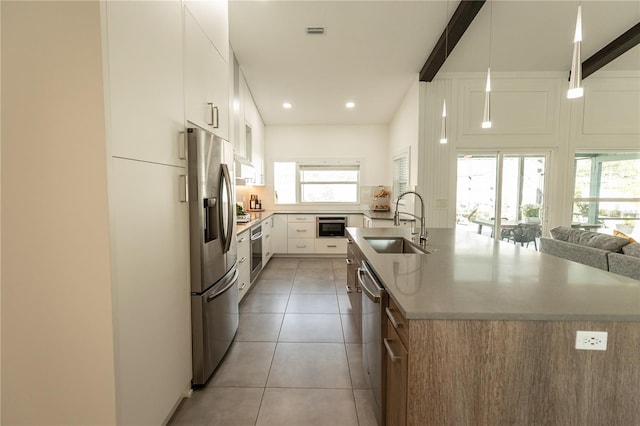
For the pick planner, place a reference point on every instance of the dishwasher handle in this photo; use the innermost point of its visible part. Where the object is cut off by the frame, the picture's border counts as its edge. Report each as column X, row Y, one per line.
column 375, row 294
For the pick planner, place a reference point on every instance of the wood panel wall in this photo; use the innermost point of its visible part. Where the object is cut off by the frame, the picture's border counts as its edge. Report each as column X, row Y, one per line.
column 522, row 373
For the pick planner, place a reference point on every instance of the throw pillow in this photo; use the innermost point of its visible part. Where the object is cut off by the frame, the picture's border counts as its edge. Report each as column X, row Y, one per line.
column 623, row 235
column 632, row 249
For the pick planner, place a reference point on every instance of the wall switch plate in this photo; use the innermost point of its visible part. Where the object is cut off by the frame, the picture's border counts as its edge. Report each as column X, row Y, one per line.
column 591, row 340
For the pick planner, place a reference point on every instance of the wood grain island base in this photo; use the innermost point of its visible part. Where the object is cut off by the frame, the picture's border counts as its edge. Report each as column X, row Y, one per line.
column 483, row 333
column 521, row 373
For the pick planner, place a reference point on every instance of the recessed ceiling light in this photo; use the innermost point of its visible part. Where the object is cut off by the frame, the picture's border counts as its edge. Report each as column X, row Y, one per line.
column 350, row 105
column 286, row 105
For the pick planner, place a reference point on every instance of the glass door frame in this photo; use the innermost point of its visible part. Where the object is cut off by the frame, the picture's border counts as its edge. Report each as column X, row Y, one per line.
column 500, row 155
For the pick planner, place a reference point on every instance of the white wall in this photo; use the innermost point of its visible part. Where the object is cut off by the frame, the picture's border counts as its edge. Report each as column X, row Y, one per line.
column 530, row 112
column 404, row 131
column 57, row 332
column 367, row 143
column 404, row 136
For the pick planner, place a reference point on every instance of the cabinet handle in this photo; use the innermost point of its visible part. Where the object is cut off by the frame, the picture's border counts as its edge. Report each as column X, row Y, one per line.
column 216, row 117
column 349, row 289
column 393, row 356
column 301, row 218
column 267, row 236
column 331, row 246
column 241, row 240
column 349, row 261
column 184, row 189
column 211, row 107
column 182, row 146
column 242, row 286
column 301, row 230
column 301, row 245
column 268, row 253
column 395, row 322
column 244, row 258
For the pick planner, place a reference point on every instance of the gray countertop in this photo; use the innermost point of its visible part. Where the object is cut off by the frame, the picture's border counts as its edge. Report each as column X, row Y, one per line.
column 475, row 277
column 257, row 217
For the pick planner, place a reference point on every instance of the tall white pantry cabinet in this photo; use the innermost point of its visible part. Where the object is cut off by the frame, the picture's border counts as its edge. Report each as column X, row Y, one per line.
column 161, row 70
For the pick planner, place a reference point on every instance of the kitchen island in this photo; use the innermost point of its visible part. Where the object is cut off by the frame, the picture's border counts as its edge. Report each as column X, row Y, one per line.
column 483, row 332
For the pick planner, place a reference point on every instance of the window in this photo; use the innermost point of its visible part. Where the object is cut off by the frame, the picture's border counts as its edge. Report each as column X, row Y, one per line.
column 607, row 192
column 400, row 174
column 329, row 182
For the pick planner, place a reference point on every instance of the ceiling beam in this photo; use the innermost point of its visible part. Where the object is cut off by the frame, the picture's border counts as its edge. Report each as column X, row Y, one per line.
column 611, row 51
column 457, row 25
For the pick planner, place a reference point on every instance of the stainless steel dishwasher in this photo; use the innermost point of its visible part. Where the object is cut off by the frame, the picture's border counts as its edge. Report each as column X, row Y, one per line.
column 373, row 306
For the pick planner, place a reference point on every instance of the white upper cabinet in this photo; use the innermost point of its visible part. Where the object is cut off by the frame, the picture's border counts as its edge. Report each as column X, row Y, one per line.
column 144, row 42
column 206, row 80
column 213, row 18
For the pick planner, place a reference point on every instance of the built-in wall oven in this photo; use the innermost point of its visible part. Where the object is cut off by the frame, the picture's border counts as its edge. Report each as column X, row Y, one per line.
column 256, row 251
column 331, row 226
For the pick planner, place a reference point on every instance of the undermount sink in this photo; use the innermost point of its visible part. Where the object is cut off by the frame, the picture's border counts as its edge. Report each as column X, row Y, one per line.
column 394, row 245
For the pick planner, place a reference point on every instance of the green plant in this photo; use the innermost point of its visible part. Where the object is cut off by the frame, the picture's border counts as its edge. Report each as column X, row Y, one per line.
column 530, row 210
column 583, row 209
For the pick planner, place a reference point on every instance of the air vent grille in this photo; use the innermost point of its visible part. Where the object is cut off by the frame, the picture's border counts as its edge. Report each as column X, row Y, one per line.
column 316, row 30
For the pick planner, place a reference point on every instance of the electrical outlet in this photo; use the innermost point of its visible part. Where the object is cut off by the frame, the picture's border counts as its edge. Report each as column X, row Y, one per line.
column 591, row 340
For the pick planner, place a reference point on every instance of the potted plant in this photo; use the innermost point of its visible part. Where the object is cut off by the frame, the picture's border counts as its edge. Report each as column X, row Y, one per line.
column 531, row 213
column 626, row 227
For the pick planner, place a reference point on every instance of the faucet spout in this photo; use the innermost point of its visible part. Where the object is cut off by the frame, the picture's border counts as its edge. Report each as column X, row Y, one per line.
column 424, row 236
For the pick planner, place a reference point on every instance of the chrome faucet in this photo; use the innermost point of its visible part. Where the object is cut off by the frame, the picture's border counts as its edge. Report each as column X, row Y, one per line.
column 424, row 236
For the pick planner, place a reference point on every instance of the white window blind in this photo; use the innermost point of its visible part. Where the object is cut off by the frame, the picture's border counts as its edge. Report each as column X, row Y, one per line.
column 400, row 174
column 329, row 183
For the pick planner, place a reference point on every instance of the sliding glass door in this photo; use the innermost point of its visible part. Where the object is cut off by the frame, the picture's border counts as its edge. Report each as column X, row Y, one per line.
column 501, row 194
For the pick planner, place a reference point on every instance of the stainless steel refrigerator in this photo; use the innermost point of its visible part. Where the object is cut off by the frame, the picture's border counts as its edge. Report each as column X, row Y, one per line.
column 214, row 276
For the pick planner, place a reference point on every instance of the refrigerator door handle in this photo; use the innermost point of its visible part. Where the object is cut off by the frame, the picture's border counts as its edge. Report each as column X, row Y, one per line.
column 225, row 185
column 226, row 287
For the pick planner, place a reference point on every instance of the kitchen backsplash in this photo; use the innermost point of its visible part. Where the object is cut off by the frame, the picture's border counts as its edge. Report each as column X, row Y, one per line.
column 265, row 194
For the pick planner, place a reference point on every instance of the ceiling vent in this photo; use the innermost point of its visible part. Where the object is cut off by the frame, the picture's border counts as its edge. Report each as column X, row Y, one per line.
column 316, row 30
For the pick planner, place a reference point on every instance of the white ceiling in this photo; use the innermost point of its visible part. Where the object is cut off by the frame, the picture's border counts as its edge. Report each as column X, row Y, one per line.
column 374, row 50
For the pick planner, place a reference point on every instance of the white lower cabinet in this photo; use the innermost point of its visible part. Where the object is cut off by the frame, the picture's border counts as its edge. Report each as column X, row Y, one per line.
column 152, row 301
column 244, row 263
column 301, row 235
column 330, row 246
column 267, row 252
column 279, row 233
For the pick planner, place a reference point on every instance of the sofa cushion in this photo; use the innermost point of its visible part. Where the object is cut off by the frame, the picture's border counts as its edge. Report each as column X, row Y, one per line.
column 632, row 249
column 589, row 239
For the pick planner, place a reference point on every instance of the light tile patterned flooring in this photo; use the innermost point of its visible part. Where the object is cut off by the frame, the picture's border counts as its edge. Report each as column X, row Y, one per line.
column 296, row 359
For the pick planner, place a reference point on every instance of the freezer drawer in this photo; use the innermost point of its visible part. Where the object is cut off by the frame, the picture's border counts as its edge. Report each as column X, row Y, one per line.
column 215, row 318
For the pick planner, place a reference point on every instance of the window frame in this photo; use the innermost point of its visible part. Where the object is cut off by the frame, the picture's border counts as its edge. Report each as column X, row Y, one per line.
column 300, row 165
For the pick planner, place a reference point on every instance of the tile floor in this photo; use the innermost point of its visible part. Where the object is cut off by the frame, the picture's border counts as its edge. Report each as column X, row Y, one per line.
column 296, row 359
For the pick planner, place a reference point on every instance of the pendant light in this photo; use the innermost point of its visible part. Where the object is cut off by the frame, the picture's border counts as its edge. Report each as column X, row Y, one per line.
column 486, row 117
column 575, row 79
column 443, row 128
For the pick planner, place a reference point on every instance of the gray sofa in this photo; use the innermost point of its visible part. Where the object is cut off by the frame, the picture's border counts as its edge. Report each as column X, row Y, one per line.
column 626, row 263
column 610, row 253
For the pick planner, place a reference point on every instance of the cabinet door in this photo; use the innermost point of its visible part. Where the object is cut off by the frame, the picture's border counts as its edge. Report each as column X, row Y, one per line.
column 244, row 263
column 151, row 288
column 331, row 246
column 267, row 252
column 145, row 54
column 213, row 18
column 279, row 233
column 396, row 392
column 206, row 81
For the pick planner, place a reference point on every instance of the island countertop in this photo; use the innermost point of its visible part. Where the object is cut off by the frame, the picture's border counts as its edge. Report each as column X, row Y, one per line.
column 469, row 276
